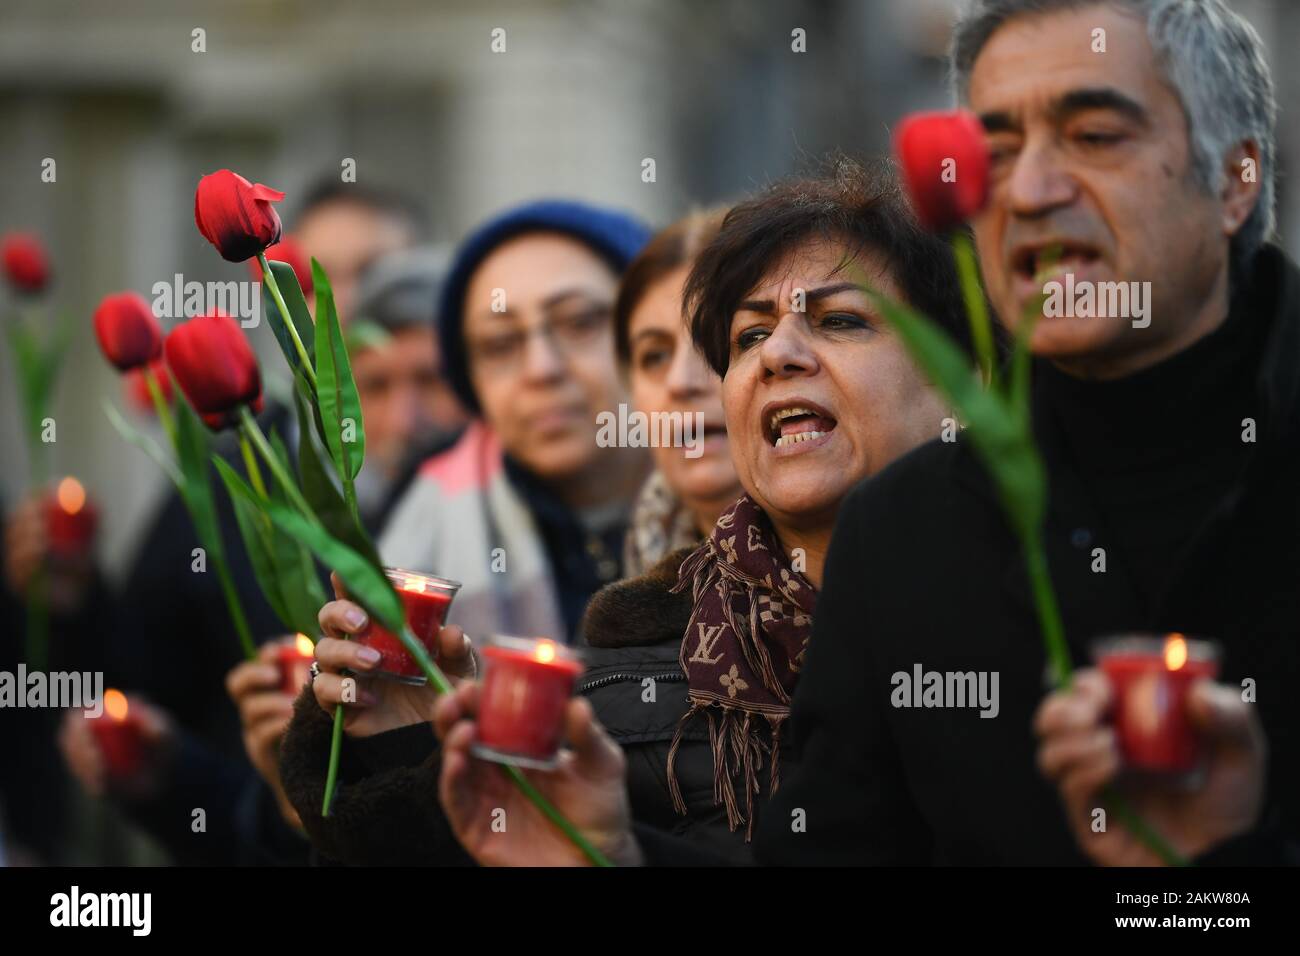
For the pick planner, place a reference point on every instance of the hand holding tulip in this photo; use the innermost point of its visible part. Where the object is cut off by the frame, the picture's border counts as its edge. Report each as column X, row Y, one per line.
column 1079, row 753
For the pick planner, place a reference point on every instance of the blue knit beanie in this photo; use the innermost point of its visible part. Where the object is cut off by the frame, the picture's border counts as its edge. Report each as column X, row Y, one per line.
column 615, row 236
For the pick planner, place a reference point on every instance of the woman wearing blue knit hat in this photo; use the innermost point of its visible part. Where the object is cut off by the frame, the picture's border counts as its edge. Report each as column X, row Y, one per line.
column 526, row 510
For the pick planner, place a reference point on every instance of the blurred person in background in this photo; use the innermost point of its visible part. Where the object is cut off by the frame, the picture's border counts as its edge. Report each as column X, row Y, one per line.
column 410, row 409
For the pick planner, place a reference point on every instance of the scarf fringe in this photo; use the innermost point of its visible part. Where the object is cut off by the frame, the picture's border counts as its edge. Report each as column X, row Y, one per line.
column 738, row 749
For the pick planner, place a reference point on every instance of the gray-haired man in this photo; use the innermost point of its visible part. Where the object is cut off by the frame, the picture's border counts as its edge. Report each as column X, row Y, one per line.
column 1134, row 139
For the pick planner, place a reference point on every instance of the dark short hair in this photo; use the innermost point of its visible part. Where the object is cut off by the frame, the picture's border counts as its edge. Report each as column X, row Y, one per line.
column 389, row 203
column 862, row 207
column 669, row 250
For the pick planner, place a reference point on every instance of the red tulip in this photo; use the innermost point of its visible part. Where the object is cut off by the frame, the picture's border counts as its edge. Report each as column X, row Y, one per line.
column 235, row 215
column 286, row 250
column 24, row 262
column 129, row 335
column 945, row 162
column 218, row 421
column 137, row 389
column 213, row 364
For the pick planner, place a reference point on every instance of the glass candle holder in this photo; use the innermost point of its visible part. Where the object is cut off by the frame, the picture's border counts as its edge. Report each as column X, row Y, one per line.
column 426, row 599
column 1150, row 676
column 526, row 684
column 117, row 734
column 294, row 660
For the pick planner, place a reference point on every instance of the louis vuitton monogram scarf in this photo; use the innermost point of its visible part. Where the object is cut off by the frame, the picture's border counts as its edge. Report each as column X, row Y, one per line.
column 742, row 653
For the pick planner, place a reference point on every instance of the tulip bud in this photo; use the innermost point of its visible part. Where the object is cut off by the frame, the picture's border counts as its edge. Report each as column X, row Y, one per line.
column 286, row 250
column 24, row 260
column 129, row 335
column 945, row 162
column 235, row 215
column 213, row 364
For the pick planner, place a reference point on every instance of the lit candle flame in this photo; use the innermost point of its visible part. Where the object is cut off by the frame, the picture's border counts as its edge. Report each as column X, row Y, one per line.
column 115, row 704
column 71, row 496
column 413, row 584
column 545, row 652
column 1175, row 652
column 305, row 647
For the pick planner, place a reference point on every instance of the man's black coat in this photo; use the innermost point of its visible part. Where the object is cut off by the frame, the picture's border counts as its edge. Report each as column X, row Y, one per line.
column 923, row 569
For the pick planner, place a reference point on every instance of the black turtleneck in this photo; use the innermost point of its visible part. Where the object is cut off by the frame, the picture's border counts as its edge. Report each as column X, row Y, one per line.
column 1157, row 450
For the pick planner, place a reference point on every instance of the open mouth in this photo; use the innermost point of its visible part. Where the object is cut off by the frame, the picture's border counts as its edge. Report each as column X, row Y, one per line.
column 796, row 422
column 1041, row 261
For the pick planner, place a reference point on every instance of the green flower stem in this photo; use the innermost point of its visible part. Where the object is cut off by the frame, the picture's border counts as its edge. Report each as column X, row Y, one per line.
column 548, row 810
column 1141, row 829
column 1049, row 614
column 250, row 465
column 248, row 428
column 980, row 327
column 269, row 278
column 38, row 620
column 234, row 607
column 160, row 404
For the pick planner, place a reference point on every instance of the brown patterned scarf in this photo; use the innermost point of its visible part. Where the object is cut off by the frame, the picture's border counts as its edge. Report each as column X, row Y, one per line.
column 742, row 652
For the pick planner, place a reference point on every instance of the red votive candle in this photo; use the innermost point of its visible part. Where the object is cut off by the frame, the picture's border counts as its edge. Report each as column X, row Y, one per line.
column 295, row 664
column 70, row 519
column 1150, row 678
column 426, row 599
column 117, row 734
column 526, row 684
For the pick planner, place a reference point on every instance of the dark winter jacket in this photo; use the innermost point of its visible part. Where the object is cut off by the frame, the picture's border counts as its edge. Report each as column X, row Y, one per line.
column 386, row 810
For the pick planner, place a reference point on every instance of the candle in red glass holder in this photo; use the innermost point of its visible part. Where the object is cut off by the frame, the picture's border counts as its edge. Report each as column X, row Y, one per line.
column 426, row 599
column 70, row 519
column 295, row 664
column 1150, row 678
column 526, row 685
column 117, row 734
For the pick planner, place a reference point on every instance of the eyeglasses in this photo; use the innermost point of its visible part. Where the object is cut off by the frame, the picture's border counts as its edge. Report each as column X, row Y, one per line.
column 570, row 333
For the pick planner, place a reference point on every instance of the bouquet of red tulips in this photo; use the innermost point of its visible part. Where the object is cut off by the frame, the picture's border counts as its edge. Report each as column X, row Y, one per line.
column 306, row 510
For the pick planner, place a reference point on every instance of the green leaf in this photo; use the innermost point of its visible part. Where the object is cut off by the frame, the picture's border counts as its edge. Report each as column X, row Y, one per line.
column 319, row 487
column 286, row 280
column 255, row 529
column 997, row 431
column 364, row 579
column 144, row 442
column 340, row 407
column 193, row 449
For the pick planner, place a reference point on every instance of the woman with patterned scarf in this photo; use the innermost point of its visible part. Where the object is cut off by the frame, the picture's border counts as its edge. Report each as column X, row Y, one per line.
column 692, row 665
column 818, row 393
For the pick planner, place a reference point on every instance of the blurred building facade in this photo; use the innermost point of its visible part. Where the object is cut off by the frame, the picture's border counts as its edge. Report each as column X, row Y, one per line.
column 412, row 91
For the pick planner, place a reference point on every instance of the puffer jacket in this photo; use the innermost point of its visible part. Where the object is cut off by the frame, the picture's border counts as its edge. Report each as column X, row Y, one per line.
column 386, row 809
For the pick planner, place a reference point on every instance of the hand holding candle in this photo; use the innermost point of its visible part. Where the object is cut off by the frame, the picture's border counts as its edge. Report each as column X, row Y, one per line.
column 122, row 750
column 526, row 685
column 378, row 705
column 426, row 599
column 1079, row 752
column 1150, row 678
column 587, row 786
